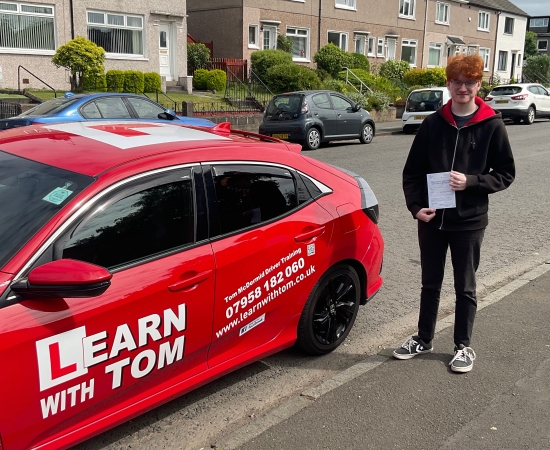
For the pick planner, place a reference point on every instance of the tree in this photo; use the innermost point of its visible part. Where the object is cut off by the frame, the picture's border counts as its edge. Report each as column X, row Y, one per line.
column 284, row 43
column 197, row 56
column 332, row 59
column 80, row 56
column 530, row 48
column 537, row 69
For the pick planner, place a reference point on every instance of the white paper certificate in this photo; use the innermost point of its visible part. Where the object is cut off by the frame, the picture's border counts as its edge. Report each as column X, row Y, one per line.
column 440, row 195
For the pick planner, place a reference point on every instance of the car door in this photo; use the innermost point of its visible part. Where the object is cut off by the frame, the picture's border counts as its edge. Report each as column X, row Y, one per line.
column 322, row 109
column 271, row 238
column 349, row 120
column 544, row 100
column 74, row 362
column 146, row 109
column 109, row 107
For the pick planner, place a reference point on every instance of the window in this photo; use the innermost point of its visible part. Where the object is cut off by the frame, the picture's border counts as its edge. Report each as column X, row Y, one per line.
column 472, row 50
column 502, row 59
column 340, row 103
column 408, row 51
column 321, row 101
column 30, row 28
column 158, row 219
column 484, row 53
column 542, row 46
column 483, row 21
column 253, row 36
column 537, row 23
column 248, row 195
column 380, row 47
column 107, row 108
column 442, row 11
column 434, row 54
column 350, row 4
column 300, row 49
column 509, row 25
column 406, row 8
column 269, row 37
column 118, row 34
column 144, row 108
column 372, row 44
column 339, row 39
column 360, row 44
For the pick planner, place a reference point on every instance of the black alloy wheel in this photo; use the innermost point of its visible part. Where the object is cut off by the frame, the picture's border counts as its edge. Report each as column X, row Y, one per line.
column 330, row 311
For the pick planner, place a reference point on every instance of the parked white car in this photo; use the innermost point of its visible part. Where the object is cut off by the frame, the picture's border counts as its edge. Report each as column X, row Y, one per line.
column 420, row 104
column 520, row 101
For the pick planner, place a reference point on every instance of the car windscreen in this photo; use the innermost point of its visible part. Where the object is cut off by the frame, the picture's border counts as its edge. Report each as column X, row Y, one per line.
column 50, row 107
column 428, row 100
column 31, row 193
column 506, row 90
column 284, row 106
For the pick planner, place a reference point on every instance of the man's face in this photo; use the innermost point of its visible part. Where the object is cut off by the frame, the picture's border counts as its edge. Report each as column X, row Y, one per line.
column 463, row 90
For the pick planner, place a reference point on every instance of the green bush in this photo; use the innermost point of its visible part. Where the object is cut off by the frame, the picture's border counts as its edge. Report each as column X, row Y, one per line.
column 284, row 43
column 374, row 82
column 537, row 69
column 332, row 58
column 435, row 76
column 378, row 100
column 215, row 80
column 94, row 82
column 197, row 56
column 115, row 80
column 359, row 98
column 485, row 89
column 133, row 81
column 200, row 79
column 291, row 77
column 358, row 61
column 263, row 60
column 151, row 82
column 394, row 69
column 337, row 85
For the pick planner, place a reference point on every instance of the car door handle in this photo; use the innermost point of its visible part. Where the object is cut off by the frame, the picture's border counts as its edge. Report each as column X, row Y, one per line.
column 315, row 114
column 310, row 234
column 190, row 281
column 339, row 114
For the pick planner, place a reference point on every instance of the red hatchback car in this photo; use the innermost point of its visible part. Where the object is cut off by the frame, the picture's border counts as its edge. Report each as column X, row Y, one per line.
column 138, row 261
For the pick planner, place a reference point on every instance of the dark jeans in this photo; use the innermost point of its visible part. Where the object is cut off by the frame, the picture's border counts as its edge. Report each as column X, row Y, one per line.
column 465, row 249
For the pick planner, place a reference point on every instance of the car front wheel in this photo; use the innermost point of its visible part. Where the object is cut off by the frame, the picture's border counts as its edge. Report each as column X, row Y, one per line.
column 367, row 134
column 530, row 118
column 313, row 139
column 330, row 311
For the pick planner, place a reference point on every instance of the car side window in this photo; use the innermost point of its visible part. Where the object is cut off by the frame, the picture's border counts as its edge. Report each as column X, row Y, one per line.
column 90, row 111
column 340, row 103
column 534, row 90
column 321, row 101
column 247, row 195
column 141, row 225
column 145, row 109
column 112, row 108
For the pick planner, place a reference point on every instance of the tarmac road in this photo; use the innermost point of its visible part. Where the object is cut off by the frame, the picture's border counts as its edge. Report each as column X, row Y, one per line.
column 516, row 241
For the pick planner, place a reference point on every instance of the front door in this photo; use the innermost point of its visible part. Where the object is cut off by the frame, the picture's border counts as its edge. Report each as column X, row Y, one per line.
column 391, row 43
column 513, row 65
column 164, row 51
column 269, row 38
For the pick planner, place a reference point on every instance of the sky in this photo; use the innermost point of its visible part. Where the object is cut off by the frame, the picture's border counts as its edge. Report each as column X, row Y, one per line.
column 533, row 7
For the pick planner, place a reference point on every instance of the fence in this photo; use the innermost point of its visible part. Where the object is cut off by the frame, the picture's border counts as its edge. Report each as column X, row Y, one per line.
column 8, row 109
column 237, row 67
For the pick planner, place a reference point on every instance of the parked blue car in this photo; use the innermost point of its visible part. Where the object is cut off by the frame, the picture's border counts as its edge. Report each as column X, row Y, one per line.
column 81, row 107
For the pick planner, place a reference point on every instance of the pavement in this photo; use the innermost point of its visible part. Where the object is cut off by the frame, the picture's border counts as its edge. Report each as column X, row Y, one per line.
column 382, row 403
column 392, row 127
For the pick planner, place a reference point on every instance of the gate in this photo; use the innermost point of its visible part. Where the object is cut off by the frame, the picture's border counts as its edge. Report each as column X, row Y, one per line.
column 9, row 109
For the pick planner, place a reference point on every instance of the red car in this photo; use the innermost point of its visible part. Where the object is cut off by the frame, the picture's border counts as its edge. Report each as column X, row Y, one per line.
column 140, row 260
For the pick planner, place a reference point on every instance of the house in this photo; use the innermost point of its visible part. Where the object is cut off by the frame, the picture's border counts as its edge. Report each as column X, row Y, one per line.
column 135, row 35
column 541, row 26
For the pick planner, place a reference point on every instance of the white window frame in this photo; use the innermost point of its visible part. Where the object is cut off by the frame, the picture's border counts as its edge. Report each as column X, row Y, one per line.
column 542, row 49
column 297, row 32
column 272, row 29
column 380, row 44
column 483, row 21
column 19, row 12
column 506, row 19
column 256, row 30
column 407, row 9
column 346, row 4
column 371, row 50
column 502, row 58
column 125, row 26
column 533, row 23
column 411, row 43
column 485, row 53
column 360, row 40
column 439, row 47
column 343, row 39
column 442, row 13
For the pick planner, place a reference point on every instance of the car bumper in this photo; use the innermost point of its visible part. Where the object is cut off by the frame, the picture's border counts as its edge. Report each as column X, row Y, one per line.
column 511, row 112
column 411, row 120
column 291, row 133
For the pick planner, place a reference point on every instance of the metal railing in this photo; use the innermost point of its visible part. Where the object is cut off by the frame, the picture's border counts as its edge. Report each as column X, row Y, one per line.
column 221, row 108
column 356, row 80
column 39, row 79
column 251, row 94
column 8, row 109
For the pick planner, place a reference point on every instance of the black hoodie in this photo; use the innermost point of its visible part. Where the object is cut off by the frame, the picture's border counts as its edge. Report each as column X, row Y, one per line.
column 482, row 153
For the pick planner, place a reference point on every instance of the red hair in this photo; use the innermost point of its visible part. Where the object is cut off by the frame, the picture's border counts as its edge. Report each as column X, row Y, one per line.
column 470, row 67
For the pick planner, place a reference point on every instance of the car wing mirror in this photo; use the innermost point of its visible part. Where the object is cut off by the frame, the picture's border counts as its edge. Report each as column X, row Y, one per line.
column 356, row 107
column 169, row 114
column 64, row 278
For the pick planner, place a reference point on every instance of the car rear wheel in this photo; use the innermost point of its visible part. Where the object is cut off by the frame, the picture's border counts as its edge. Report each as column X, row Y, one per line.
column 330, row 311
column 367, row 134
column 313, row 139
column 530, row 118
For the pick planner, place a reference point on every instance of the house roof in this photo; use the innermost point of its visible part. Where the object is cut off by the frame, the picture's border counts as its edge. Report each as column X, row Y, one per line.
column 455, row 40
column 501, row 5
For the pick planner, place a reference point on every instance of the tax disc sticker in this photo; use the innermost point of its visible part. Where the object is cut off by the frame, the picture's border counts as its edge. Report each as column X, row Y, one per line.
column 58, row 195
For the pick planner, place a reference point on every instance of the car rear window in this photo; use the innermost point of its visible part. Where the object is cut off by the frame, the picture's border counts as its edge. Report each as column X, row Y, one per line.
column 284, row 105
column 31, row 193
column 50, row 107
column 428, row 100
column 506, row 90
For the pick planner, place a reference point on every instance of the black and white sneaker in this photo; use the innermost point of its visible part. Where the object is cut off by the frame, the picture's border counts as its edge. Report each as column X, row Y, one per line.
column 463, row 361
column 412, row 347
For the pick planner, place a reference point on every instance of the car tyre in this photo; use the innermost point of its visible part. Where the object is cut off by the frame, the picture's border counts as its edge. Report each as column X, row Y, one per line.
column 313, row 139
column 530, row 117
column 367, row 133
column 330, row 311
column 516, row 120
column 407, row 129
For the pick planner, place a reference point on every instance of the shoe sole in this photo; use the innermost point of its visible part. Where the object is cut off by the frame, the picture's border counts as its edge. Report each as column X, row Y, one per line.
column 410, row 356
column 462, row 369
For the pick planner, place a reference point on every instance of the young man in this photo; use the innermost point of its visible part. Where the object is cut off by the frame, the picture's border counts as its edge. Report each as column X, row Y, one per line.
column 468, row 139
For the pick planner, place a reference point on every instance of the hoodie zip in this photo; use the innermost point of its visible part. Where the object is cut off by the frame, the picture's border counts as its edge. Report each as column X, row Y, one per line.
column 452, row 166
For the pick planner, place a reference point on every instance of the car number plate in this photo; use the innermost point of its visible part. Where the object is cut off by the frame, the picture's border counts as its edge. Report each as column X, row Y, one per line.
column 418, row 117
column 280, row 135
column 501, row 101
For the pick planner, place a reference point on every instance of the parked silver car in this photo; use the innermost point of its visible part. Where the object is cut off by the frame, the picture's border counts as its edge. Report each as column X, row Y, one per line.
column 520, row 101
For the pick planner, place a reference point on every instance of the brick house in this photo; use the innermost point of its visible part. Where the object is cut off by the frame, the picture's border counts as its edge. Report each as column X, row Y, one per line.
column 541, row 26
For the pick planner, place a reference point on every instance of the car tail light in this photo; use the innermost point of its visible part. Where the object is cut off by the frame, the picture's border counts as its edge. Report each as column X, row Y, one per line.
column 520, row 97
column 305, row 107
column 488, row 98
